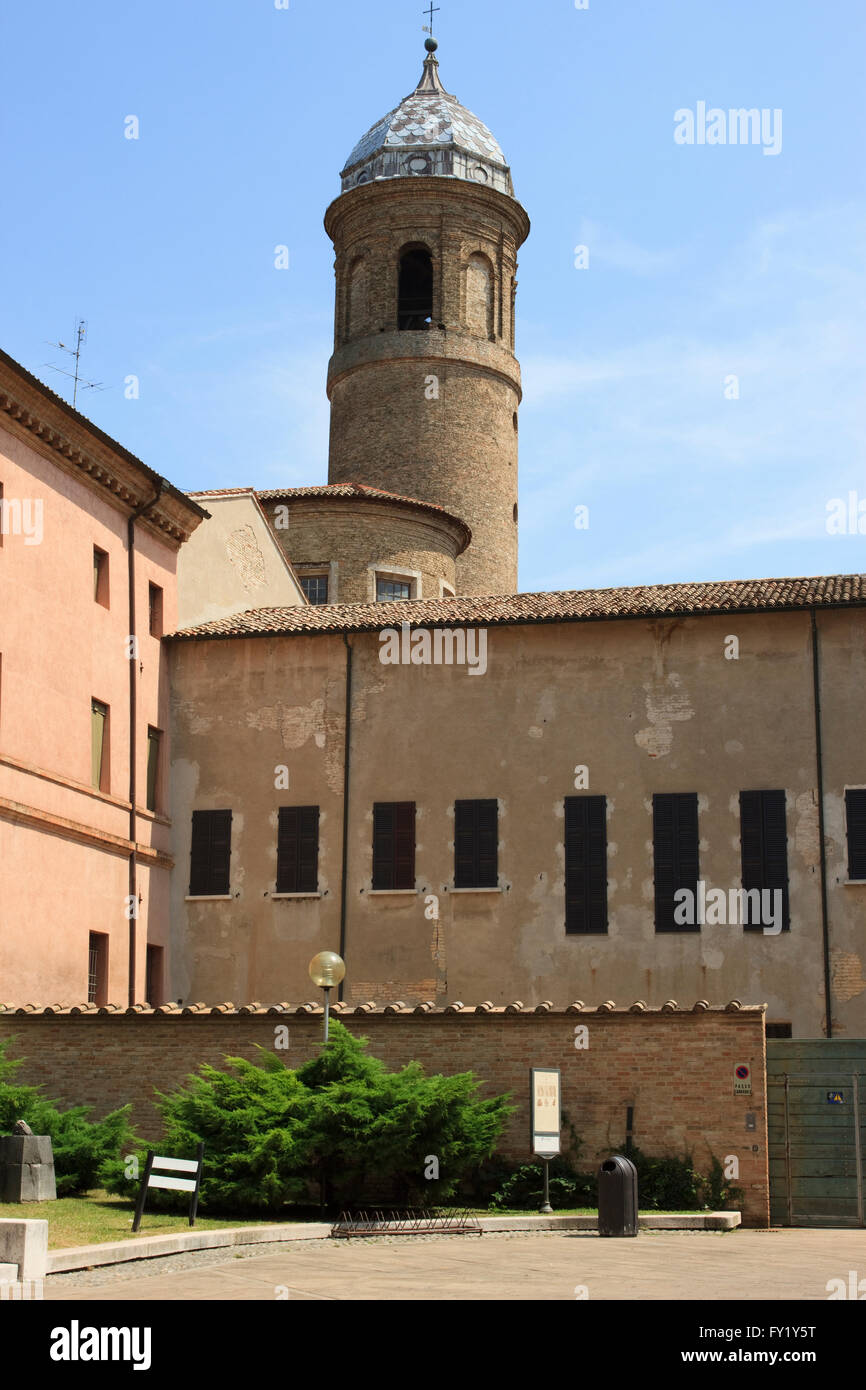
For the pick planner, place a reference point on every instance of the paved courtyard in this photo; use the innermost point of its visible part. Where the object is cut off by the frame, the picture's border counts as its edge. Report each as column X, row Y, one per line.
column 746, row 1265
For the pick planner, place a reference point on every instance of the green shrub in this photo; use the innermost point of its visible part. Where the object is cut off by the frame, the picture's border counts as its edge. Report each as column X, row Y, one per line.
column 84, row 1150
column 667, row 1184
column 341, row 1124
column 718, row 1192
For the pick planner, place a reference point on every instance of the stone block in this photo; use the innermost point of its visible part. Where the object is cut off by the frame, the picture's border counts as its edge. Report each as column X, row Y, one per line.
column 24, row 1244
column 27, row 1169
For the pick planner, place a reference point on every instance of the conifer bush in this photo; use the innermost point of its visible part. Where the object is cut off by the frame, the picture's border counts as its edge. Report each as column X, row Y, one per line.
column 340, row 1126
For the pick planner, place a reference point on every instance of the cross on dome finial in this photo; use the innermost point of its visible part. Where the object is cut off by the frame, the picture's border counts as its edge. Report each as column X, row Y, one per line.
column 430, row 76
column 428, row 28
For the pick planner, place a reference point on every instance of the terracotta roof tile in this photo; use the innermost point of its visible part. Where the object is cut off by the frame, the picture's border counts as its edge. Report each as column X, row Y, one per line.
column 399, row 1009
column 354, row 492
column 580, row 605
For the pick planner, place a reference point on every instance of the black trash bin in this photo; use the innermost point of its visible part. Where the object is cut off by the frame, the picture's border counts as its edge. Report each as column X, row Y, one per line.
column 617, row 1197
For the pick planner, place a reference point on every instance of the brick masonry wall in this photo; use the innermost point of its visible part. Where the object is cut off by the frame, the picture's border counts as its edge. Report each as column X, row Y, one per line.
column 357, row 534
column 676, row 1069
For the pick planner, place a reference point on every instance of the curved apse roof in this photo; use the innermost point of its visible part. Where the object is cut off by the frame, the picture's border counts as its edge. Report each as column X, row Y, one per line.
column 429, row 133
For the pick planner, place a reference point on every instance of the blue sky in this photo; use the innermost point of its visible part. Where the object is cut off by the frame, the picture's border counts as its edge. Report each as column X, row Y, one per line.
column 704, row 261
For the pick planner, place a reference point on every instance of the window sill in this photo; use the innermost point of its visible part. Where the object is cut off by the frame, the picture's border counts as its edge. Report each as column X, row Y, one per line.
column 392, row 893
column 209, row 898
column 474, row 890
column 276, row 897
column 854, row 882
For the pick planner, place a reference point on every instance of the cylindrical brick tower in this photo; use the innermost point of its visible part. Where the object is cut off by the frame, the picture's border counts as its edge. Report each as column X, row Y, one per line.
column 423, row 384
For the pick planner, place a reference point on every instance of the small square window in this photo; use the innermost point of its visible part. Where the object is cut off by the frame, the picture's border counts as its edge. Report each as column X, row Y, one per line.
column 154, row 593
column 315, row 586
column 388, row 589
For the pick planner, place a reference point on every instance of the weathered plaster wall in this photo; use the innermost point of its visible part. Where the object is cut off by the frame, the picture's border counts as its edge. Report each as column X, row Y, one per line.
column 646, row 707
column 232, row 562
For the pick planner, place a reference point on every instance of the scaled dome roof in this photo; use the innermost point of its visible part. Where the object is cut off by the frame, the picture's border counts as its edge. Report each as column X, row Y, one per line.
column 429, row 133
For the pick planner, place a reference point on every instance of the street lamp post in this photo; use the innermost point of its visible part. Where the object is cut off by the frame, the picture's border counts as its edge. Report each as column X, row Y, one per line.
column 326, row 970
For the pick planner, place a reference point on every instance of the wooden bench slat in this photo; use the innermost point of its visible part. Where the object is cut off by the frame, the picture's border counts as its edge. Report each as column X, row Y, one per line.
column 175, row 1184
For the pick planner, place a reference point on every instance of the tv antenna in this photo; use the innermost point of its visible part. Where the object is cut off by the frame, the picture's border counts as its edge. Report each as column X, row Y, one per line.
column 75, row 353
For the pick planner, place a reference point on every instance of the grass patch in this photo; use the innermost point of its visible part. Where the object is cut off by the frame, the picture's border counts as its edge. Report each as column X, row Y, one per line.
column 100, row 1217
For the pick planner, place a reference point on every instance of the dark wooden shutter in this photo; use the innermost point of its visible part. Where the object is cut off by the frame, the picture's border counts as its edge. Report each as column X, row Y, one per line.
column 298, row 849
column 210, row 857
column 393, row 844
column 764, row 847
column 675, row 856
column 855, row 816
column 476, row 839
column 586, row 864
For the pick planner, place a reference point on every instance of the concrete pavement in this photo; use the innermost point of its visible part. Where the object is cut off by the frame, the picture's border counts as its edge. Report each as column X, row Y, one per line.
column 751, row 1264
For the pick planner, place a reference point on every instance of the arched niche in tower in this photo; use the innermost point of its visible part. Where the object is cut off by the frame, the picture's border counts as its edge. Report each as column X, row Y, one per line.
column 358, row 298
column 415, row 287
column 480, row 295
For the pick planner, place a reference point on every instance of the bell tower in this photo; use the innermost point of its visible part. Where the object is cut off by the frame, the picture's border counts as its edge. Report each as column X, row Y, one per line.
column 423, row 383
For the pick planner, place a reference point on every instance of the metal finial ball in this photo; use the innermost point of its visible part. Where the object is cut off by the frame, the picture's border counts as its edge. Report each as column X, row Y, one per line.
column 431, row 45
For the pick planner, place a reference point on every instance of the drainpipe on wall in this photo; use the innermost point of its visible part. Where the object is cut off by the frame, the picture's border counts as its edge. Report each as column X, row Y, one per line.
column 346, row 749
column 819, row 758
column 133, row 745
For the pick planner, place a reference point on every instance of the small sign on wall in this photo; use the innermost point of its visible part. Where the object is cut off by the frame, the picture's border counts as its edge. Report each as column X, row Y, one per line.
column 544, row 1110
column 742, row 1079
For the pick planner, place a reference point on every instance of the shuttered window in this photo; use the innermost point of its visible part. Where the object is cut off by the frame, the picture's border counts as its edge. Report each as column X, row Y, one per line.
column 675, row 857
column 764, row 849
column 476, row 838
column 211, row 853
column 855, row 819
column 298, row 849
column 394, row 844
column 99, row 769
column 585, row 864
column 154, row 740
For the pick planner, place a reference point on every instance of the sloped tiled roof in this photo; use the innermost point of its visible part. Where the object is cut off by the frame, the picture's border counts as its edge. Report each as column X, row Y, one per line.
column 354, row 492
column 580, row 605
column 734, row 1006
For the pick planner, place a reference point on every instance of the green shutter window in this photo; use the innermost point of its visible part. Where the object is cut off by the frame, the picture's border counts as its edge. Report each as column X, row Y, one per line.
column 675, row 857
column 393, row 844
column 154, row 738
column 764, row 848
column 298, row 849
column 98, row 738
column 586, row 865
column 476, row 844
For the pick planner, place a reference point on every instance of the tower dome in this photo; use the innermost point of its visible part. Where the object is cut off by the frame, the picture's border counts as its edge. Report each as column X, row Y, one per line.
column 429, row 133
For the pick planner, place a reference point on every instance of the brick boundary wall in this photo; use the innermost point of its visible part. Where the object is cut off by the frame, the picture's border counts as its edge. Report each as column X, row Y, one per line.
column 675, row 1068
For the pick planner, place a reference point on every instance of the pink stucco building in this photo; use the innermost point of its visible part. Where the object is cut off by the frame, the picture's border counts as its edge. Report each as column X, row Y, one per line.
column 89, row 542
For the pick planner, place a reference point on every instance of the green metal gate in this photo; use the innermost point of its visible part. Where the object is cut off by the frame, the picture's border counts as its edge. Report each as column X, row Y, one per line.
column 816, row 1116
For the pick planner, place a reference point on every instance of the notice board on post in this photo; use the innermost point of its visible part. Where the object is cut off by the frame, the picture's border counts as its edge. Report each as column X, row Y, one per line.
column 545, row 1111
